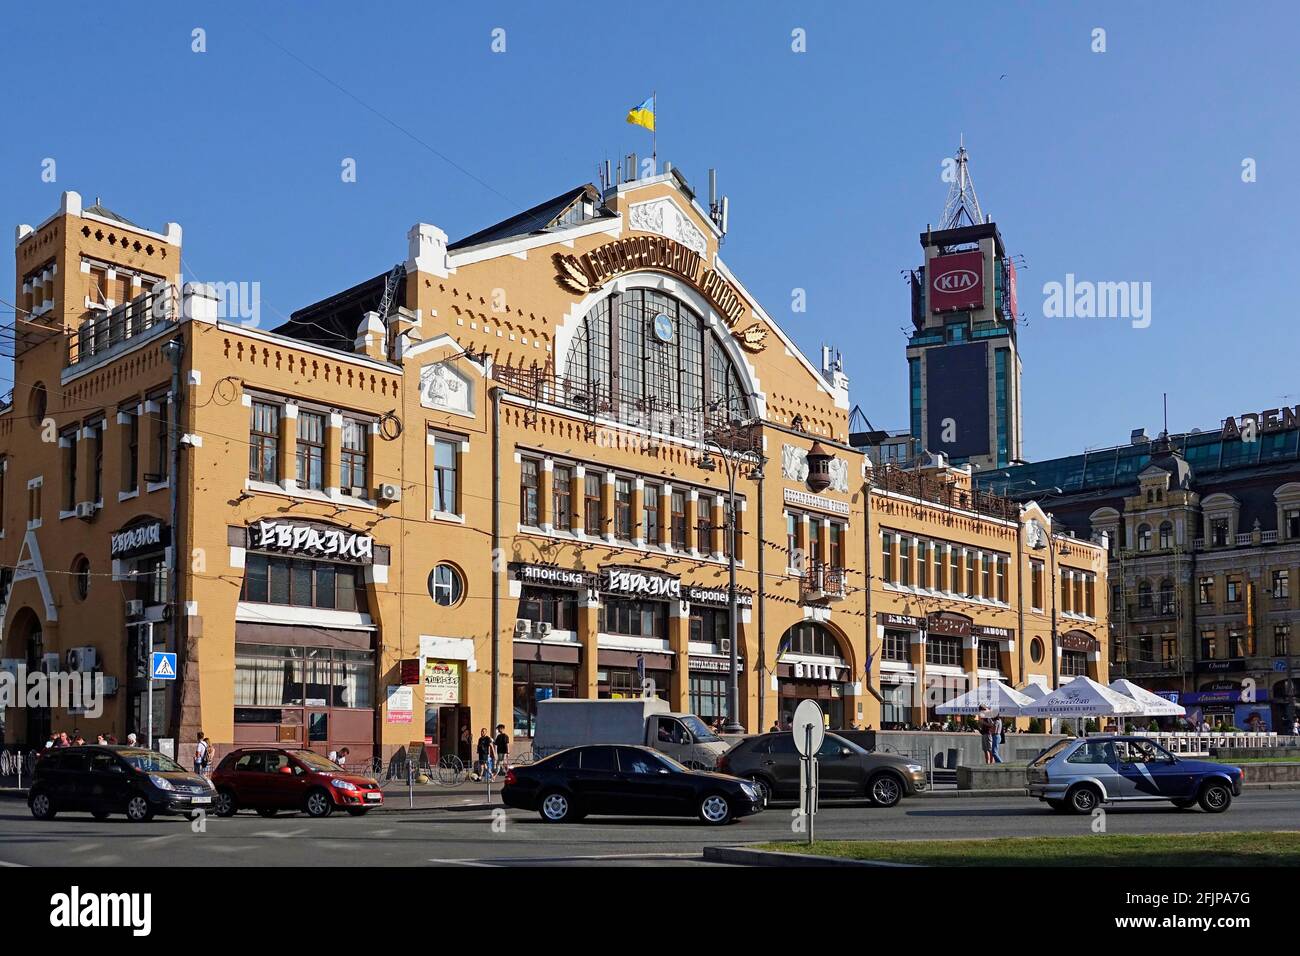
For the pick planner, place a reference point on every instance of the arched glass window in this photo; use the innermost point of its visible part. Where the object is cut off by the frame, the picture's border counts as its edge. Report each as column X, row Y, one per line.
column 1166, row 534
column 648, row 359
column 1144, row 537
column 812, row 638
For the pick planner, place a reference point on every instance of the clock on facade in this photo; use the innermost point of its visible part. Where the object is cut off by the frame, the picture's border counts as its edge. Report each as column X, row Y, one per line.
column 663, row 327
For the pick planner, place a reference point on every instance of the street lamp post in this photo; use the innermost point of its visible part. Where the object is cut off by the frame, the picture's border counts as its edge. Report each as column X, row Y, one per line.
column 732, row 460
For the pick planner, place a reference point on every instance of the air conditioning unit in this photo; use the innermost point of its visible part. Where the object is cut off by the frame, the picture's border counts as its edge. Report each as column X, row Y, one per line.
column 542, row 628
column 357, row 491
column 86, row 510
column 81, row 659
column 49, row 663
column 725, row 645
column 135, row 608
column 523, row 626
column 390, row 492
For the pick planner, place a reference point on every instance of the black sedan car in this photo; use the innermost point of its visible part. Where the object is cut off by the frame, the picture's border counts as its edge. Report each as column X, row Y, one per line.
column 625, row 781
column 846, row 771
column 103, row 780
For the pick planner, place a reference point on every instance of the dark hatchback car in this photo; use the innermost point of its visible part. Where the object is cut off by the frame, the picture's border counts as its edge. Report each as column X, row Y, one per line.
column 846, row 771
column 271, row 779
column 103, row 780
column 625, row 781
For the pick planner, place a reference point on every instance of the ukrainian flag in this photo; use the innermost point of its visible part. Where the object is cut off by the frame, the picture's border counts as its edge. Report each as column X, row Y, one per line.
column 643, row 115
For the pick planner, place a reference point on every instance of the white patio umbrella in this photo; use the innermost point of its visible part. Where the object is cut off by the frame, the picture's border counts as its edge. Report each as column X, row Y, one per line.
column 1082, row 697
column 993, row 696
column 1034, row 691
column 1152, row 705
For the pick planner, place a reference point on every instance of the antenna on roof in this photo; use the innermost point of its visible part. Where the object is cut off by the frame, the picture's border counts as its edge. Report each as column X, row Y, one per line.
column 962, row 200
column 719, row 209
column 1165, row 433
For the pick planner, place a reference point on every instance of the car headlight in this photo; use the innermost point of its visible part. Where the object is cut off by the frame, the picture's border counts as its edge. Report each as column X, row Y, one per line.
column 915, row 768
column 343, row 785
column 748, row 791
column 162, row 783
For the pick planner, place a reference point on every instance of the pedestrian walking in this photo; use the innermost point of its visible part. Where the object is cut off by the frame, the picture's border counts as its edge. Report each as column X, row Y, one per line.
column 483, row 765
column 200, row 753
column 209, row 756
column 502, row 744
column 986, row 735
column 996, row 739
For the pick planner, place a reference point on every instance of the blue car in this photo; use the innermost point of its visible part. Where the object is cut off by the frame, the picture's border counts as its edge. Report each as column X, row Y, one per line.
column 1078, row 775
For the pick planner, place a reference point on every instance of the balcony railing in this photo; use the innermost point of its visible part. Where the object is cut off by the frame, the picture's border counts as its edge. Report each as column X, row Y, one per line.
column 98, row 337
column 823, row 583
column 914, row 484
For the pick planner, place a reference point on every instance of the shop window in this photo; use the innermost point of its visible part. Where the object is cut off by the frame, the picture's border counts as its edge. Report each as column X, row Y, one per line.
column 552, row 606
column 534, row 682
column 150, row 576
column 273, row 579
column 528, row 491
column 635, row 618
column 623, row 509
column 708, row 697
column 264, row 443
column 352, row 458
column 445, row 585
column 310, row 451
column 562, row 498
column 269, row 676
column 446, row 478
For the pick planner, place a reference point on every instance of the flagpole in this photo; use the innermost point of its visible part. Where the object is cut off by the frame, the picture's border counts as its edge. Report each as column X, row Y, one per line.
column 654, row 132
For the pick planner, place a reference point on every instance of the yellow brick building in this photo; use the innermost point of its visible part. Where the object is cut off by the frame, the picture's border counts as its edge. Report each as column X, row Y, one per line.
column 496, row 472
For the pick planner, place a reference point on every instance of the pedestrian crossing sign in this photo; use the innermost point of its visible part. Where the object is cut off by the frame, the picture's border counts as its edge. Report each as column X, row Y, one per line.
column 162, row 666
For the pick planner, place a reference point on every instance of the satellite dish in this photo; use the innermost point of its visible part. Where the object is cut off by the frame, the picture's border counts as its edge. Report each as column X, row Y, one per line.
column 808, row 715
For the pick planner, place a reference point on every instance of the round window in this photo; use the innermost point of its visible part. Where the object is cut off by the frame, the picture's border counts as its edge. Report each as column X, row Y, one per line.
column 445, row 585
column 81, row 576
column 1036, row 650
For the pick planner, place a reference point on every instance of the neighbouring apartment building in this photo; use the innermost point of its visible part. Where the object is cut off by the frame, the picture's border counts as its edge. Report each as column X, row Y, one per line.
column 511, row 467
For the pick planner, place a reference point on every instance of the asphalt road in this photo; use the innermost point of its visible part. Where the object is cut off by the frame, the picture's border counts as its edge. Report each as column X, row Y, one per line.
column 515, row 838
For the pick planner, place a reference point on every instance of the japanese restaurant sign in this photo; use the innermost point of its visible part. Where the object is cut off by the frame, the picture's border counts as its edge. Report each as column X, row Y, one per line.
column 441, row 682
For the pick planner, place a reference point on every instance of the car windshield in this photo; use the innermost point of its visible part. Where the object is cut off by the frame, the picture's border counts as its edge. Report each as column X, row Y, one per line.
column 699, row 728
column 316, row 762
column 150, row 761
column 1050, row 752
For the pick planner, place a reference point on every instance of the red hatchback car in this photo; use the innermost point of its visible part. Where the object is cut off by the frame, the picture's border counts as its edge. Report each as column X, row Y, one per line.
column 269, row 780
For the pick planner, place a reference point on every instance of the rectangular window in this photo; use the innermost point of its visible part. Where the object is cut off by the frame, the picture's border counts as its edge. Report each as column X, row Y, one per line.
column 734, row 530
column 887, row 557
column 446, row 477
column 954, row 570
column 1077, row 597
column 1219, row 532
column 938, row 566
column 310, row 450
column 704, row 525
column 352, row 458
column 300, row 582
column 1208, row 644
column 1239, row 644
column 1291, row 521
column 1205, row 589
column 710, row 625
column 264, row 443
column 162, row 430
column 562, row 498
column 986, row 563
column 1234, row 590
column 528, row 478
column 592, row 519
column 943, row 650
column 635, row 618
column 623, row 509
column 1067, row 594
column 990, row 657
column 1089, row 595
column 1116, row 599
column 131, row 452
column 1000, row 577
column 68, row 450
column 1036, row 585
column 650, row 514
column 553, row 606
column 1282, row 640
column 1168, row 648
column 923, row 564
column 96, row 460
column 905, row 561
column 792, row 539
column 972, row 574
column 679, row 521
column 1281, row 584
column 897, row 645
column 1074, row 663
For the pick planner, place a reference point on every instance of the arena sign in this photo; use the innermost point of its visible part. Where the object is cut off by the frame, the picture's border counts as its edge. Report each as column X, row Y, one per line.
column 593, row 269
column 312, row 541
column 1262, row 423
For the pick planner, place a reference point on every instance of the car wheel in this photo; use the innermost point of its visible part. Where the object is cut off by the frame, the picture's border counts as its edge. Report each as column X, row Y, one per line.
column 225, row 804
column 266, row 812
column 715, row 810
column 1184, row 804
column 1083, row 799
column 99, row 814
column 1215, row 797
column 42, row 806
column 1058, row 805
column 764, row 788
column 357, row 811
column 138, row 809
column 884, row 790
column 319, row 804
column 557, row 807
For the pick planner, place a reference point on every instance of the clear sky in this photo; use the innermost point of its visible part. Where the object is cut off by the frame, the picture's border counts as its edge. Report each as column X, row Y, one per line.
column 1115, row 166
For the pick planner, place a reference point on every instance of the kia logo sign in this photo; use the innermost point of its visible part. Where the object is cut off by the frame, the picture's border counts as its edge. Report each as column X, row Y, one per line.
column 956, row 280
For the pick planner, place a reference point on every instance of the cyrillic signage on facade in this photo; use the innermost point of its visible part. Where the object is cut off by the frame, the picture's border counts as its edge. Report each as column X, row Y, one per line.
column 640, row 583
column 948, row 625
column 713, row 665
column 1078, row 641
column 806, row 499
column 311, row 541
column 549, row 574
column 718, row 597
column 143, row 538
column 901, row 620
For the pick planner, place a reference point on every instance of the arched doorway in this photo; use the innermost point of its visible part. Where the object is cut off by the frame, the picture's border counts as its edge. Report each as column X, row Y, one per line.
column 814, row 663
column 25, row 642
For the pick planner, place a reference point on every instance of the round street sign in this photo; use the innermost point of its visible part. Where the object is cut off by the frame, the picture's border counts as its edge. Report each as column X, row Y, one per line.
column 807, row 714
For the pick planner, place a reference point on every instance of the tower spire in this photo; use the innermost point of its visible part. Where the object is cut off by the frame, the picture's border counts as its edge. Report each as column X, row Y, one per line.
column 962, row 200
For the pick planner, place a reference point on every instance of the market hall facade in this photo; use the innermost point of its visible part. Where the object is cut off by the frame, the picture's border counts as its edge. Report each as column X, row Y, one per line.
column 508, row 468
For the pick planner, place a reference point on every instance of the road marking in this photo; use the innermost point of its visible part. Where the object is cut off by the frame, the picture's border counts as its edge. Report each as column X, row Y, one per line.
column 507, row 860
column 463, row 863
column 85, row 848
column 382, row 833
column 6, row 863
column 159, row 839
column 279, row 834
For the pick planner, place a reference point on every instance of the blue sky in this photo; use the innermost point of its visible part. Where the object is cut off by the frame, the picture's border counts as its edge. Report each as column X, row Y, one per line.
column 1117, row 166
